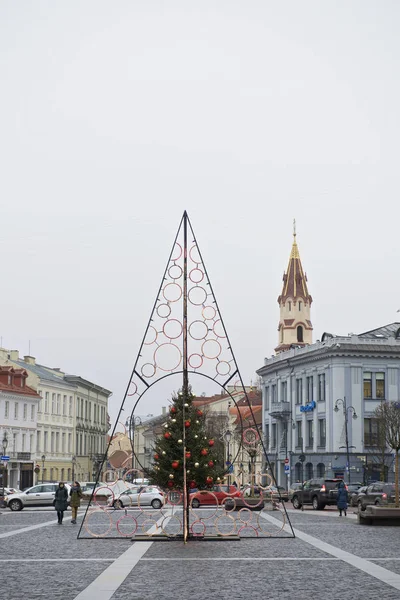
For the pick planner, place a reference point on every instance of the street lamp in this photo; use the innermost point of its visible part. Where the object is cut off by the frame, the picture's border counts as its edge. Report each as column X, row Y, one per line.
column 346, row 410
column 43, row 459
column 132, row 425
column 227, row 438
column 5, row 444
column 73, row 468
column 289, row 420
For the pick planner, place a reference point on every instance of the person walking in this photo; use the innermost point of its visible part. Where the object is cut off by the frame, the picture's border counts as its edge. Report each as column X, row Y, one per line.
column 76, row 495
column 61, row 501
column 342, row 499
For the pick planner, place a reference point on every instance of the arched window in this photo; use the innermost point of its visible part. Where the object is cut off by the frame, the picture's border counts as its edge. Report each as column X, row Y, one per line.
column 300, row 333
column 309, row 471
column 297, row 471
column 62, row 475
column 320, row 470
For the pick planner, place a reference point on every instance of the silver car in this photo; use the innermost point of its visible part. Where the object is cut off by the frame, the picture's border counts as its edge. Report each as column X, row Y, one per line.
column 38, row 495
column 141, row 496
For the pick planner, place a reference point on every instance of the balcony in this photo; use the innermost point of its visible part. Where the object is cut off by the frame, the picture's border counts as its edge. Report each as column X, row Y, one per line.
column 280, row 410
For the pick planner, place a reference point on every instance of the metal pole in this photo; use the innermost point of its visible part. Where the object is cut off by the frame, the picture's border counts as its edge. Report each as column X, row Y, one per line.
column 185, row 390
column 347, row 440
column 43, row 459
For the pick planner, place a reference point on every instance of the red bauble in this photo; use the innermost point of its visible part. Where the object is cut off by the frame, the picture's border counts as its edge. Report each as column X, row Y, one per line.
column 188, row 454
column 211, row 442
column 192, row 484
column 187, row 423
column 199, row 413
column 204, row 452
column 209, row 480
column 167, row 435
column 156, row 457
column 175, row 464
column 210, row 464
column 170, row 484
column 172, row 410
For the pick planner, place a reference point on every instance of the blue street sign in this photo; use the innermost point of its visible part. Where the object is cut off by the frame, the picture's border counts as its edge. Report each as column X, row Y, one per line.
column 5, row 458
column 287, row 468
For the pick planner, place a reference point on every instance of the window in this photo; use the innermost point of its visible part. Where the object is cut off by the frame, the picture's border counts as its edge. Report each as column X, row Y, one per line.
column 273, row 394
column 64, row 405
column 310, row 389
column 69, row 443
column 31, row 448
column 82, row 408
column 266, row 396
column 309, row 471
column 299, row 305
column 15, row 442
column 321, row 470
column 321, row 432
column 59, row 404
column 38, row 441
column 46, row 402
column 273, row 440
column 380, row 385
column 23, row 442
column 63, row 443
column 86, row 409
column 70, row 406
column 367, row 385
column 290, row 306
column 6, row 409
column 370, row 432
column 90, row 411
column 58, row 441
column 53, row 404
column 300, row 333
column 32, row 412
column 284, row 391
column 299, row 434
column 25, row 411
column 310, row 433
column 321, row 387
column 45, row 438
column 78, row 414
column 16, row 410
column 299, row 391
column 266, row 436
column 52, row 442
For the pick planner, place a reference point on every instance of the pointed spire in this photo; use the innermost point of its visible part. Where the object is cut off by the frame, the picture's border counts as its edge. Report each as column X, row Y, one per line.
column 294, row 280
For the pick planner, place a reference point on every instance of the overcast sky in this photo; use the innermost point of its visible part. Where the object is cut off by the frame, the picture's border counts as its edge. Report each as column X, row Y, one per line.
column 115, row 117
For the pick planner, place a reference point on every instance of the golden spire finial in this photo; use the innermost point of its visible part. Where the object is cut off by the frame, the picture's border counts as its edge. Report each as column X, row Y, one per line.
column 294, row 229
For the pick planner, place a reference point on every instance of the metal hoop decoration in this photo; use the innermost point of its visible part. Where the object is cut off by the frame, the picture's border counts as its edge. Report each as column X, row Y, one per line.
column 153, row 330
column 178, row 247
column 259, row 475
column 198, row 522
column 172, row 337
column 238, row 387
column 195, row 334
column 192, row 360
column 212, row 355
column 163, row 308
column 90, row 515
column 152, row 510
column 217, row 324
column 202, row 493
column 171, row 501
column 233, row 530
column 169, row 519
column 194, row 278
column 158, row 364
column 179, row 270
column 103, row 487
column 112, row 473
column 135, row 387
column 248, row 527
column 148, row 370
column 194, row 247
column 153, row 522
column 131, row 532
column 195, row 301
column 135, row 471
column 208, row 313
column 229, row 500
column 248, row 441
column 270, row 533
column 123, row 425
column 172, row 285
column 259, row 503
column 222, row 370
column 243, row 513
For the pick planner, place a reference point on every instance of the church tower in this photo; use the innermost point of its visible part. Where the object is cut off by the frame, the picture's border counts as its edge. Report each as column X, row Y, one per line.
column 295, row 326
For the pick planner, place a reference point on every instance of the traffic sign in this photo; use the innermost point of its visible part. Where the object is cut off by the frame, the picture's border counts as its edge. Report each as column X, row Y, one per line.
column 286, row 461
column 287, row 469
column 5, row 458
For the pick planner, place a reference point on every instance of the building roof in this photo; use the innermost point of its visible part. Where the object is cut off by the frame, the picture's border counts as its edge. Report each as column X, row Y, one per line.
column 78, row 380
column 11, row 388
column 294, row 280
column 41, row 371
column 387, row 331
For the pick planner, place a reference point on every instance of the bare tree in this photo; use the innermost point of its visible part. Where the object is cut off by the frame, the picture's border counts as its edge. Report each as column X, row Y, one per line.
column 388, row 415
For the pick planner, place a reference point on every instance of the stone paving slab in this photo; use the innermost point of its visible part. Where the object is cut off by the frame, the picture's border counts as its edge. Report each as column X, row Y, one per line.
column 17, row 521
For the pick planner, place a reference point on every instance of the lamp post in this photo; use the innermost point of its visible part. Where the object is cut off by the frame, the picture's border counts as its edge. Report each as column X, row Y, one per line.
column 5, row 444
column 132, row 426
column 346, row 410
column 227, row 438
column 290, row 420
column 43, row 459
column 73, row 468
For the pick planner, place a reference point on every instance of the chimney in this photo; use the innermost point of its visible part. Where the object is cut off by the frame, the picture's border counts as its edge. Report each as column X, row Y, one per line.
column 164, row 410
column 14, row 355
column 30, row 360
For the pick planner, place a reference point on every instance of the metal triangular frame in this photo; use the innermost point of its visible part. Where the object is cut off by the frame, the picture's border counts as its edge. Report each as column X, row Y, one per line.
column 185, row 334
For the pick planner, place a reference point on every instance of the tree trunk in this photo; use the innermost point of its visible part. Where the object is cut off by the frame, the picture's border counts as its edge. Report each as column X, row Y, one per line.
column 396, row 479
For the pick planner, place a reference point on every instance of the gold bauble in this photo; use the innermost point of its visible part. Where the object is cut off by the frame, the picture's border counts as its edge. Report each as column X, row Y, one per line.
column 171, row 475
column 164, row 452
column 196, row 464
column 196, row 436
column 179, row 441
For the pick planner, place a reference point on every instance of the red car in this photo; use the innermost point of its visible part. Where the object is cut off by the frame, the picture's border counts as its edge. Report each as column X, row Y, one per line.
column 220, row 492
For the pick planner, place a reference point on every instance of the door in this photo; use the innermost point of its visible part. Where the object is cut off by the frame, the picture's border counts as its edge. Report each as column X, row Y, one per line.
column 33, row 495
column 305, row 493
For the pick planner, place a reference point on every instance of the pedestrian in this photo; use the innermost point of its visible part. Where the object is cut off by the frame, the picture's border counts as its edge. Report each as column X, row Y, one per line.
column 61, row 501
column 342, row 498
column 76, row 495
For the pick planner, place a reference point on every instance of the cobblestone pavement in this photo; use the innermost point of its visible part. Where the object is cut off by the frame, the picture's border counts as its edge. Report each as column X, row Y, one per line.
column 330, row 557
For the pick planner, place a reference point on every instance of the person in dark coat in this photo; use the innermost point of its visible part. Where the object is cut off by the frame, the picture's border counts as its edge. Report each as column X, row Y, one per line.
column 75, row 502
column 342, row 499
column 61, row 501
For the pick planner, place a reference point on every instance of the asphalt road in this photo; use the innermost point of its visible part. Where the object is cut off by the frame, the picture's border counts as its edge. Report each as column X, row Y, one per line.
column 331, row 557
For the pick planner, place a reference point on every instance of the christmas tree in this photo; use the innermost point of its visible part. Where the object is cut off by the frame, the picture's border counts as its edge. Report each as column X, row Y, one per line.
column 185, row 449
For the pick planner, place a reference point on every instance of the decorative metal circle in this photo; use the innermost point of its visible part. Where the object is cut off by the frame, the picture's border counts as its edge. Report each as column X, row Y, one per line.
column 198, row 330
column 172, row 329
column 163, row 310
column 174, row 497
column 250, row 436
column 195, row 361
column 135, row 472
column 231, row 502
column 245, row 515
column 167, row 357
column 197, row 295
column 198, row 495
column 148, row 531
column 175, row 272
column 196, row 523
column 105, row 473
column 133, row 388
column 208, row 313
column 247, row 504
column 248, row 527
column 151, row 336
column 123, row 425
column 130, row 533
column 195, row 254
column 223, row 367
column 169, row 519
column 211, row 349
column 260, row 520
column 89, row 517
column 196, row 275
column 238, row 387
column 103, row 487
column 218, row 329
column 176, row 252
column 148, row 370
column 259, row 476
column 172, row 292
column 229, row 518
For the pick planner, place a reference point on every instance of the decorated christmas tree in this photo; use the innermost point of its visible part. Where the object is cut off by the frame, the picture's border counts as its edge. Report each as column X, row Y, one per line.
column 184, row 445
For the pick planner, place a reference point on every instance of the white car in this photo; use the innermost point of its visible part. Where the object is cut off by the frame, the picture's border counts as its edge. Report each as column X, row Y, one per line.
column 38, row 495
column 139, row 496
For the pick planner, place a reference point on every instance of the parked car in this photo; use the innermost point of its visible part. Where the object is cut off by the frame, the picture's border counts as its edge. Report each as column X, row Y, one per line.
column 294, row 487
column 138, row 496
column 318, row 492
column 378, row 493
column 37, row 495
column 353, row 490
column 221, row 492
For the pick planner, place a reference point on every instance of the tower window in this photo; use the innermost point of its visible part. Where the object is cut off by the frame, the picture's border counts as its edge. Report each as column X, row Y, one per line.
column 299, row 333
column 299, row 305
column 290, row 306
